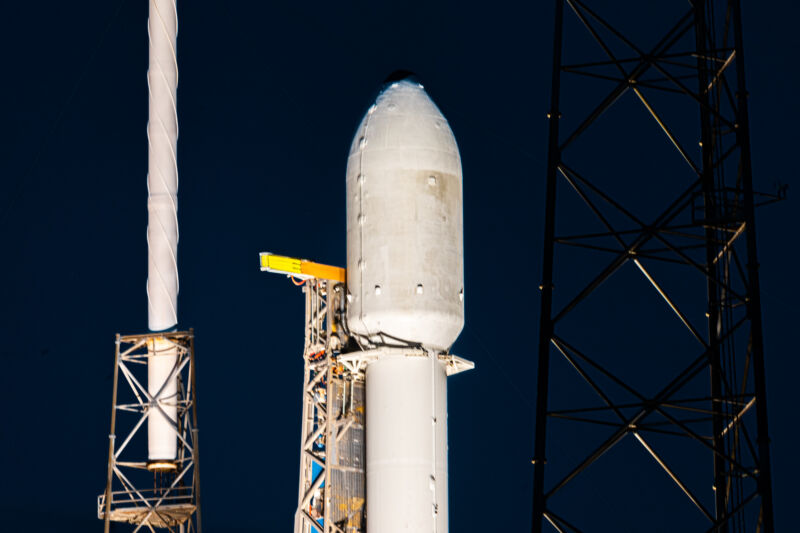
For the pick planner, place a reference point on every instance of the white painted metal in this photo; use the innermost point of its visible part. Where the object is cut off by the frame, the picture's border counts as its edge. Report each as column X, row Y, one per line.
column 162, row 226
column 162, row 443
column 405, row 269
column 162, row 170
column 406, row 433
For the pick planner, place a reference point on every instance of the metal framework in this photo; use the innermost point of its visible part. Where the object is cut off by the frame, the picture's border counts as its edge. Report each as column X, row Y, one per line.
column 133, row 494
column 689, row 405
column 332, row 480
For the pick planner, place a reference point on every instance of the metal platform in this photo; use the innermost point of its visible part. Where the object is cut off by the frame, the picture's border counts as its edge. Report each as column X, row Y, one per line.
column 147, row 512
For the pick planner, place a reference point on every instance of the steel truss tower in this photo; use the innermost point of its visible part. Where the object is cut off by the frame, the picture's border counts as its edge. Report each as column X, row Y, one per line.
column 332, row 479
column 651, row 383
column 137, row 491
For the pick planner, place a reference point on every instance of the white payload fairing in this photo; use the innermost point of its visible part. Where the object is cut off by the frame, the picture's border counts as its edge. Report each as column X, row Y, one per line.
column 405, row 258
column 405, row 299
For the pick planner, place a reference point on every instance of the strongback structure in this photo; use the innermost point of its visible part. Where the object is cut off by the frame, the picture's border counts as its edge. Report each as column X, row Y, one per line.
column 651, row 402
column 332, row 479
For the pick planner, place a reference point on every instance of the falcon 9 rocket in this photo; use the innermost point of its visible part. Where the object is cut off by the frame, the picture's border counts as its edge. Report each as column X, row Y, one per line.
column 405, row 299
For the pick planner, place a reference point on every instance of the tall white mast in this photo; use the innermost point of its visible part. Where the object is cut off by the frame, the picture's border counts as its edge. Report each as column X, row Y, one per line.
column 162, row 225
column 169, row 495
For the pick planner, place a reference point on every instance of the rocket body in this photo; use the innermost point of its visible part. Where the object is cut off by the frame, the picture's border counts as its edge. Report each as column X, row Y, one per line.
column 406, row 433
column 405, row 294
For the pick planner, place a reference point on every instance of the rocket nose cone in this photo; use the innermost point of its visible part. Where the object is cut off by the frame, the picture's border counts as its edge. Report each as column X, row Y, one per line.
column 401, row 75
column 395, row 119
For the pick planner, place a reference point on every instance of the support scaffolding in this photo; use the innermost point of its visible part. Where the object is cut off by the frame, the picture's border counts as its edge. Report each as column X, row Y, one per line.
column 688, row 404
column 145, row 495
column 332, row 455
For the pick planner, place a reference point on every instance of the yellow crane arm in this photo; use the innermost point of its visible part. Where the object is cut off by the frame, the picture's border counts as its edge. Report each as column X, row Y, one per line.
column 300, row 268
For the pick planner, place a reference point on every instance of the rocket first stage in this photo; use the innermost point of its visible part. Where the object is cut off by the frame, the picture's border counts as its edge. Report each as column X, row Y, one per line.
column 405, row 299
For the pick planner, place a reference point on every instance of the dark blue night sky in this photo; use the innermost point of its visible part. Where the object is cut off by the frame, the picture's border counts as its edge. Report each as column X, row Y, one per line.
column 270, row 95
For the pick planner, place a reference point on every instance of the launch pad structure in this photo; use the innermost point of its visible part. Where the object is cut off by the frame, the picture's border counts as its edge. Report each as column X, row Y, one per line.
column 693, row 412
column 145, row 493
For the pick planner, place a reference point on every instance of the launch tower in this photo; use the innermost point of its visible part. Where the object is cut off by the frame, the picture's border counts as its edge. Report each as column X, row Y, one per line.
column 651, row 388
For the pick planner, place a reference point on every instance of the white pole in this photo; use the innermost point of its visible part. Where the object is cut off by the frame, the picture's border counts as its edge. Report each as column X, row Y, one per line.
column 162, row 225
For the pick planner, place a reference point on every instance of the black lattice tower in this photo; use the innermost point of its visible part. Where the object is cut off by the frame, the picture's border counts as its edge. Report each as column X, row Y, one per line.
column 651, row 388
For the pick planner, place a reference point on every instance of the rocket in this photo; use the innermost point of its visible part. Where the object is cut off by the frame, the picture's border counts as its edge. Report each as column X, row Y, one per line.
column 405, row 299
column 374, row 431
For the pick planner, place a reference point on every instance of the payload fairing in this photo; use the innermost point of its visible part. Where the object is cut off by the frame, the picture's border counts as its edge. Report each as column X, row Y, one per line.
column 405, row 267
